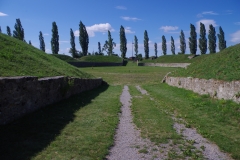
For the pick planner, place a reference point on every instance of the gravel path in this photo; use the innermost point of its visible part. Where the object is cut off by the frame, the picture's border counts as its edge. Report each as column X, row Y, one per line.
column 210, row 151
column 128, row 142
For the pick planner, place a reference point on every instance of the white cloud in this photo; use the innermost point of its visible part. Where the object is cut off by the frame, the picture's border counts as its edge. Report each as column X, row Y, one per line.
column 237, row 23
column 206, row 13
column 206, row 22
column 46, row 34
column 235, row 37
column 130, row 19
column 169, row 28
column 128, row 30
column 121, row 7
column 102, row 27
column 3, row 14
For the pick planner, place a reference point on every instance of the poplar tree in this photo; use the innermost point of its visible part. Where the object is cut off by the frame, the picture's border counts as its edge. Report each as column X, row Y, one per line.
column 193, row 40
column 99, row 48
column 155, row 49
column 212, row 39
column 164, row 45
column 146, row 45
column 9, row 31
column 72, row 43
column 55, row 39
column 83, row 38
column 123, row 42
column 172, row 46
column 202, row 40
column 221, row 39
column 182, row 43
column 136, row 46
column 19, row 31
column 42, row 44
column 109, row 45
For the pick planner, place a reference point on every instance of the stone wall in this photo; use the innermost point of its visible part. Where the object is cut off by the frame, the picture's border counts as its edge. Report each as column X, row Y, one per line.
column 22, row 95
column 215, row 88
column 95, row 64
column 182, row 65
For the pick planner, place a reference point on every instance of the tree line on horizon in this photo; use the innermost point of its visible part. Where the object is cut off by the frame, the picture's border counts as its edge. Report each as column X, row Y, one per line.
column 109, row 44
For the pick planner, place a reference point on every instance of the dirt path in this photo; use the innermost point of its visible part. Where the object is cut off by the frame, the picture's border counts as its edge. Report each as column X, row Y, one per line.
column 128, row 143
column 209, row 150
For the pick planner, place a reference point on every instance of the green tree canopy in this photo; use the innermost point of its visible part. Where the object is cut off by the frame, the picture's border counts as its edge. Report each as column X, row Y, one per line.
column 42, row 43
column 146, row 45
column 72, row 43
column 136, row 46
column 155, row 49
column 9, row 31
column 123, row 42
column 55, row 39
column 172, row 46
column 83, row 38
column 182, row 43
column 193, row 40
column 109, row 45
column 164, row 45
column 212, row 39
column 19, row 31
column 221, row 39
column 202, row 40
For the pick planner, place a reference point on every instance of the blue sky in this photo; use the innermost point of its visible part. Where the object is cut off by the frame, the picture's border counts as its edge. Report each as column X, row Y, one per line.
column 158, row 17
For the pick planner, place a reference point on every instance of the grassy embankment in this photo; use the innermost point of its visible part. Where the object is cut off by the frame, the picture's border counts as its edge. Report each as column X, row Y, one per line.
column 18, row 58
column 224, row 65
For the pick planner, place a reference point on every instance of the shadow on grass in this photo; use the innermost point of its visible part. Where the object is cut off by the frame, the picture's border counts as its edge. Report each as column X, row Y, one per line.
column 24, row 138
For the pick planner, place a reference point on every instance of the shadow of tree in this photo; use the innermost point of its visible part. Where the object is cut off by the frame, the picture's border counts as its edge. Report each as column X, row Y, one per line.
column 29, row 135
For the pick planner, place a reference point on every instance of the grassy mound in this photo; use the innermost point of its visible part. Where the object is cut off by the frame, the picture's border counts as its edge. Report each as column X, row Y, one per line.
column 182, row 58
column 18, row 58
column 65, row 58
column 224, row 65
column 99, row 58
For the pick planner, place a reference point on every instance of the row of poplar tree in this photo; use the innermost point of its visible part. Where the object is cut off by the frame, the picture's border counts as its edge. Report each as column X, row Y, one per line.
column 109, row 44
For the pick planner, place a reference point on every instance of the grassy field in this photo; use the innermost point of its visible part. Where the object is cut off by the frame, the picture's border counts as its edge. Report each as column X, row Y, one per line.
column 99, row 58
column 129, row 75
column 181, row 58
column 18, row 58
column 81, row 127
column 224, row 65
column 217, row 120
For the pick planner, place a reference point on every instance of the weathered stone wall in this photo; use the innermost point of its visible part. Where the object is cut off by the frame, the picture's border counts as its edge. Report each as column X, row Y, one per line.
column 215, row 88
column 22, row 95
column 94, row 64
column 182, row 65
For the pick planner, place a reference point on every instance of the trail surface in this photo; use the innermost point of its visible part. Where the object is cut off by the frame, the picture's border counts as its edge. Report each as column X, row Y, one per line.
column 128, row 142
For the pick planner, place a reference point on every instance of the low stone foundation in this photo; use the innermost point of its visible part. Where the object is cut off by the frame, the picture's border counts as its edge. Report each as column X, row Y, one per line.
column 181, row 65
column 22, row 95
column 215, row 88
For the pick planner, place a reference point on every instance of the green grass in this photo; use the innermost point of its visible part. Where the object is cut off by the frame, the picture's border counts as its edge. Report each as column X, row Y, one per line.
column 217, row 120
column 128, row 75
column 18, row 58
column 182, row 58
column 65, row 58
column 224, row 65
column 99, row 58
column 81, row 127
